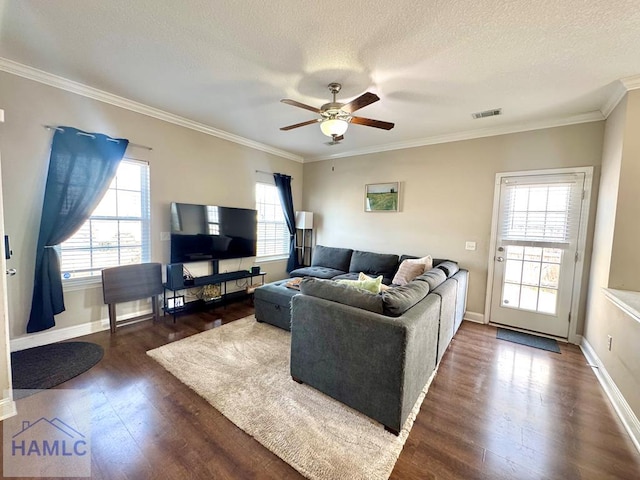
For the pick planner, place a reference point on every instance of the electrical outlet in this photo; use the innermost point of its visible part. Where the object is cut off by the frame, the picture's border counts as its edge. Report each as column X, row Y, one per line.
column 609, row 341
column 470, row 245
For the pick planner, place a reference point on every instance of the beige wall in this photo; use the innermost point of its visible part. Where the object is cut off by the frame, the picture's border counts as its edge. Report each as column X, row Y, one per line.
column 625, row 258
column 615, row 258
column 185, row 166
column 446, row 194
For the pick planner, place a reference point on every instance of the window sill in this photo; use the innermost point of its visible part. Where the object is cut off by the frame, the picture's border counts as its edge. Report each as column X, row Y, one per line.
column 75, row 284
column 272, row 258
column 625, row 300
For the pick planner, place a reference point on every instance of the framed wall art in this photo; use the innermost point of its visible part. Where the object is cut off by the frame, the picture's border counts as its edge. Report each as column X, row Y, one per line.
column 382, row 197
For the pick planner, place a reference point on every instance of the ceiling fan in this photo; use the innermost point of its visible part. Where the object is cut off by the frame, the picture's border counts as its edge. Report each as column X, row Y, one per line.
column 335, row 117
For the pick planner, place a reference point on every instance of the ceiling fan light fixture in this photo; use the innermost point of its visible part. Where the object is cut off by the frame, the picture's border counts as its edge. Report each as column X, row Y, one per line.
column 334, row 127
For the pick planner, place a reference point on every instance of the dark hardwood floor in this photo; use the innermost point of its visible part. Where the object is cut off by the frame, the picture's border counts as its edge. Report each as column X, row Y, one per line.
column 495, row 410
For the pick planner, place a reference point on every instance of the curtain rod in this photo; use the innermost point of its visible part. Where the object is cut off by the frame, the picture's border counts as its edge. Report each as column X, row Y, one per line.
column 267, row 173
column 51, row 127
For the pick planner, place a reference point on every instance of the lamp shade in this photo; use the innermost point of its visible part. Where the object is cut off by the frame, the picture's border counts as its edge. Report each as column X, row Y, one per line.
column 334, row 126
column 304, row 220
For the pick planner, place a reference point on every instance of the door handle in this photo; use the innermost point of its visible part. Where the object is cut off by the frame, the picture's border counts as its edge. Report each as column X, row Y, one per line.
column 11, row 272
column 499, row 259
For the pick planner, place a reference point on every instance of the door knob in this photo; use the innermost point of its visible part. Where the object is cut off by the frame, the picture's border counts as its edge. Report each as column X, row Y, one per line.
column 11, row 272
column 499, row 259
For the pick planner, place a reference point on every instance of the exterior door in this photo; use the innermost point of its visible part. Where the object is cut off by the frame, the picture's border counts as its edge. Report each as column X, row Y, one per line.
column 536, row 252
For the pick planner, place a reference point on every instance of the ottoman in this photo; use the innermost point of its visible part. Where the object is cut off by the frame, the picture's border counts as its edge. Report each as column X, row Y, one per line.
column 273, row 303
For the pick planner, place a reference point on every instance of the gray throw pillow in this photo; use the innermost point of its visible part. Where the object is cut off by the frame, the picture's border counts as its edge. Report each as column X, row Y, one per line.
column 398, row 300
column 345, row 294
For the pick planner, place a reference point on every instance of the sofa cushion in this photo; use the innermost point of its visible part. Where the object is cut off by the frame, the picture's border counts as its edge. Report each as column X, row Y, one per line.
column 433, row 277
column 399, row 299
column 318, row 272
column 330, row 290
column 449, row 267
column 364, row 283
column 371, row 263
column 411, row 268
column 331, row 257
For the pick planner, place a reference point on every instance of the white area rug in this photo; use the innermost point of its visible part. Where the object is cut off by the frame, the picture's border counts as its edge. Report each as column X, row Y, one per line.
column 242, row 369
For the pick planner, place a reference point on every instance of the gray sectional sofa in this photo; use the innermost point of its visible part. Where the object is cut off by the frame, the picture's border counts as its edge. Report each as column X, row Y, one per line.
column 372, row 352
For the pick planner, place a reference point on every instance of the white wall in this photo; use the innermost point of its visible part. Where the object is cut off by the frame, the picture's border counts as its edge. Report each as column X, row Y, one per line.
column 185, row 165
column 446, row 194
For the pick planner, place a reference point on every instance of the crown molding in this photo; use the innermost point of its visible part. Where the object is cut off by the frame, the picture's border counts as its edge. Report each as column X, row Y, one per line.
column 621, row 88
column 619, row 91
column 631, row 83
column 62, row 83
column 469, row 135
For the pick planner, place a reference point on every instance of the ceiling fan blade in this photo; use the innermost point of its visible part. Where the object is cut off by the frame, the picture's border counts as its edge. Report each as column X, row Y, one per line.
column 301, row 105
column 363, row 100
column 338, row 138
column 373, row 123
column 308, row 122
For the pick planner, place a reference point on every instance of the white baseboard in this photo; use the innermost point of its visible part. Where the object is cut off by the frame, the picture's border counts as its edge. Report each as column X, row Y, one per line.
column 7, row 408
column 59, row 334
column 474, row 317
column 575, row 339
column 622, row 408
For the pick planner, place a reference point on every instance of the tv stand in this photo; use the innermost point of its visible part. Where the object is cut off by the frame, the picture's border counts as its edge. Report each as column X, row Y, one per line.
column 214, row 279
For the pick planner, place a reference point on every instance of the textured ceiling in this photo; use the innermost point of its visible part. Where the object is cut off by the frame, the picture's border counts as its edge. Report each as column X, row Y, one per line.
column 227, row 63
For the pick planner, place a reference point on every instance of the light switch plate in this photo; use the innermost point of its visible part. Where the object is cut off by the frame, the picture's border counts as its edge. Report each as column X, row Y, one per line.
column 470, row 245
column 165, row 236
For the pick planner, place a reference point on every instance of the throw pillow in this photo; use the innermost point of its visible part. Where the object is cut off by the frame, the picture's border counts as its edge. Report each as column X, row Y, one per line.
column 411, row 268
column 370, row 285
column 364, row 276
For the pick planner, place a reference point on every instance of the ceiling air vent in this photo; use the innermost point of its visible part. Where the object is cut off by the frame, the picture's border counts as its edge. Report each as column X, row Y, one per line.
column 487, row 113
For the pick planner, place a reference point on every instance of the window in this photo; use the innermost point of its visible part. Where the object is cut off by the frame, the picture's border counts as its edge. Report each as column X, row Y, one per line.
column 117, row 233
column 273, row 234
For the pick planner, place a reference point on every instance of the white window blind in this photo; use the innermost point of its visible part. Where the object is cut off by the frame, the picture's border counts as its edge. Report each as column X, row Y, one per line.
column 273, row 234
column 541, row 211
column 117, row 233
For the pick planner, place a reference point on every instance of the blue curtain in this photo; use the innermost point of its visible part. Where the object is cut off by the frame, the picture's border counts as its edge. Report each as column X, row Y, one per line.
column 283, row 184
column 81, row 167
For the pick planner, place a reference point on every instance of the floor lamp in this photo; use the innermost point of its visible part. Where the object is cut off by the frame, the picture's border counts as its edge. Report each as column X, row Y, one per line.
column 304, row 222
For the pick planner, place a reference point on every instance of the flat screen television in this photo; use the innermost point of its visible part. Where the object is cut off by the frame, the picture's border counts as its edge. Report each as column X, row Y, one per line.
column 207, row 232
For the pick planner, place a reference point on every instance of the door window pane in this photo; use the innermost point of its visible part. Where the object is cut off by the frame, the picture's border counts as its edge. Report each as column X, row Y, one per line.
column 550, row 275
column 533, row 253
column 548, row 301
column 531, row 273
column 513, row 271
column 511, row 295
column 531, row 284
column 515, row 252
column 529, row 297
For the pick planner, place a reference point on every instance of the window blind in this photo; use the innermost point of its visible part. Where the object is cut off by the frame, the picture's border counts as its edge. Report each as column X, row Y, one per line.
column 117, row 233
column 541, row 210
column 273, row 234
